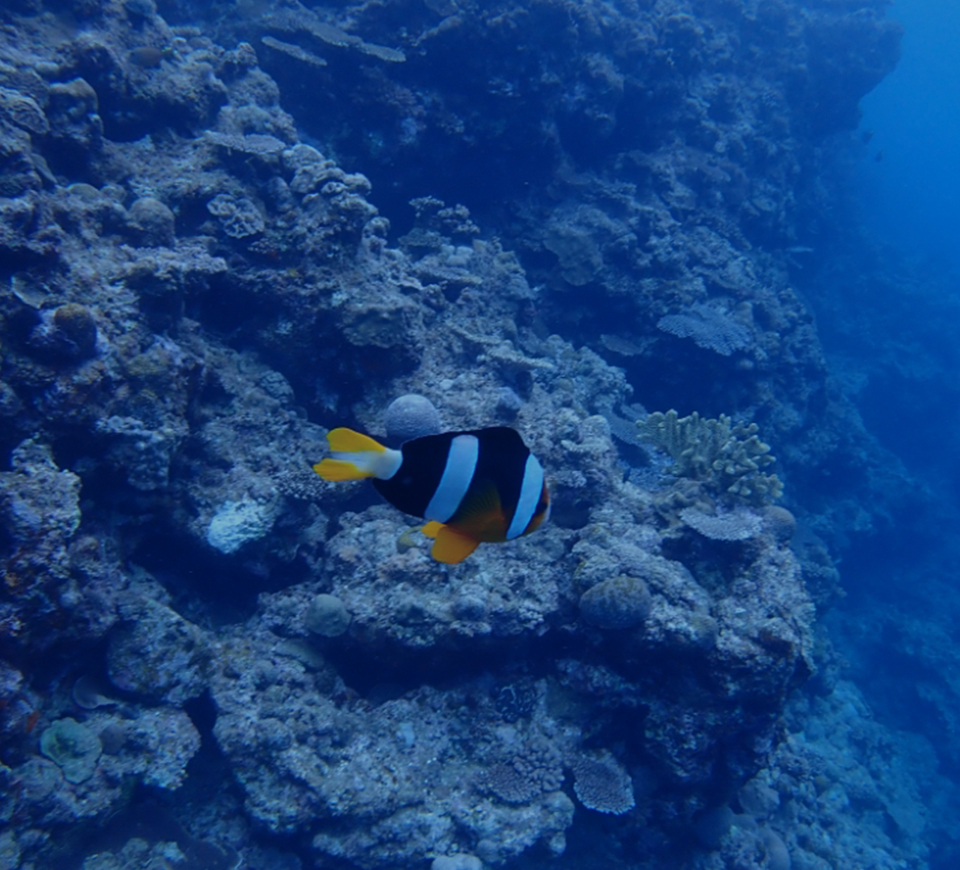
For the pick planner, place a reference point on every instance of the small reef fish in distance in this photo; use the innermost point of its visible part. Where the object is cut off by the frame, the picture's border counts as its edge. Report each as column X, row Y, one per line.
column 481, row 486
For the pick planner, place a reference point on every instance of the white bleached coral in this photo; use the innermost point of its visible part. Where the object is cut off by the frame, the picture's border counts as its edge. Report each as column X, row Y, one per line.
column 238, row 522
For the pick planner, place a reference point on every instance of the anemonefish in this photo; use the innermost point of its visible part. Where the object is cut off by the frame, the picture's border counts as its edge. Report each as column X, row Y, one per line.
column 473, row 487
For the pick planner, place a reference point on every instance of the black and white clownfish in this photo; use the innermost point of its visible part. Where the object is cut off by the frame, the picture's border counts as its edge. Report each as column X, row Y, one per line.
column 481, row 486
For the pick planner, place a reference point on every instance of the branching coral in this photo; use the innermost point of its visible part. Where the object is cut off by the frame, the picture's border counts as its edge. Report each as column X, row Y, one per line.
column 726, row 458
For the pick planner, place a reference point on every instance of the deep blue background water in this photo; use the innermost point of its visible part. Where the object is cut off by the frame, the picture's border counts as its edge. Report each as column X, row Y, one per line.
column 903, row 589
column 911, row 196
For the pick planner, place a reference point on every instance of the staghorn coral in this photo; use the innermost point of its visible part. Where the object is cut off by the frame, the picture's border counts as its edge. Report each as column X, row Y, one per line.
column 726, row 458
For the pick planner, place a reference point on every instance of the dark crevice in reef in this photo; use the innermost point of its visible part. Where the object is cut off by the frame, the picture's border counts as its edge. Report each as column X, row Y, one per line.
column 204, row 585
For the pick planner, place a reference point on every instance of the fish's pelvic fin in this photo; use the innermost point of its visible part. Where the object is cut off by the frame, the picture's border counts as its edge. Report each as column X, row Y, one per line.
column 431, row 529
column 451, row 546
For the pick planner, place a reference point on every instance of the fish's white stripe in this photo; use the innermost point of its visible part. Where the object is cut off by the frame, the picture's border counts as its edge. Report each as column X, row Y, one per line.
column 530, row 491
column 456, row 478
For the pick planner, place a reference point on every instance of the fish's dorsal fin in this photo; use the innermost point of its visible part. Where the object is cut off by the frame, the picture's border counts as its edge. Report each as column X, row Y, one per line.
column 451, row 546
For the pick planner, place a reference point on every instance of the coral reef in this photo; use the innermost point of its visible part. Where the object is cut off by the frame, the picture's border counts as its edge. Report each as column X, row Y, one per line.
column 202, row 282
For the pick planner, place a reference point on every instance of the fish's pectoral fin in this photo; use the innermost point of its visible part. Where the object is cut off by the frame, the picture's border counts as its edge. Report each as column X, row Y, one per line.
column 343, row 440
column 480, row 516
column 452, row 546
column 431, row 529
column 340, row 469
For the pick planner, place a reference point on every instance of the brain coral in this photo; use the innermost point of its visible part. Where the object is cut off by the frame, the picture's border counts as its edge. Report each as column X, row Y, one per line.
column 411, row 416
column 238, row 217
column 621, row 602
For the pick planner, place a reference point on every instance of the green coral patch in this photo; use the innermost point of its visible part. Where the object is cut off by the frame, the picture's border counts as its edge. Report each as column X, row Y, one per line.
column 72, row 747
column 726, row 458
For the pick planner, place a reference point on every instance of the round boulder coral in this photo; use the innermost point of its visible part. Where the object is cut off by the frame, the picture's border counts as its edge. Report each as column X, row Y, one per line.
column 411, row 416
column 75, row 331
column 327, row 616
column 152, row 222
column 779, row 522
column 460, row 861
column 621, row 602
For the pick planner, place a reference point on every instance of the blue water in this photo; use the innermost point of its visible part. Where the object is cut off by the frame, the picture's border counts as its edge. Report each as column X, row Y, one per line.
column 910, row 177
column 895, row 327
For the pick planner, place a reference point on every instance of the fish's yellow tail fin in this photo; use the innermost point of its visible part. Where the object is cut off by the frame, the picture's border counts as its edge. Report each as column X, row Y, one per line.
column 343, row 440
column 340, row 469
column 354, row 455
